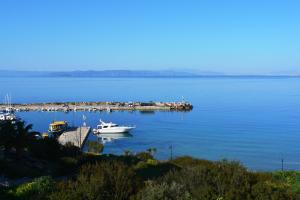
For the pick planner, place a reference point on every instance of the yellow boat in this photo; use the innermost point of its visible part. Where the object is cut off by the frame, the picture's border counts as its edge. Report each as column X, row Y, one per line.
column 45, row 135
column 58, row 127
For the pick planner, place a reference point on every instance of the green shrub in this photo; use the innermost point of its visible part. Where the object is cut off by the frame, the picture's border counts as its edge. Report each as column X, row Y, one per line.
column 47, row 148
column 37, row 189
column 66, row 166
column 165, row 191
column 103, row 180
column 144, row 156
column 292, row 178
column 227, row 180
column 153, row 171
column 70, row 150
column 95, row 147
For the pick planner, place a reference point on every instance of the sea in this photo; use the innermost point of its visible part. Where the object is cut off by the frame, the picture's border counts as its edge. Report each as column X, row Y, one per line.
column 253, row 120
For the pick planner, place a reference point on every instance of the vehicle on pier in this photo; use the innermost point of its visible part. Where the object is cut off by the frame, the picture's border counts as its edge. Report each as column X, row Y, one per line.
column 58, row 127
column 110, row 127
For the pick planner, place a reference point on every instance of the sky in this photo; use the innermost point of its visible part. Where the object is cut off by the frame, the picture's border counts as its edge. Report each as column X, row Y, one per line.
column 230, row 36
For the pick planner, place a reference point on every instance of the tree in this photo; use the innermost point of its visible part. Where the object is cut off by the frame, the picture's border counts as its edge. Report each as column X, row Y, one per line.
column 16, row 135
column 152, row 151
column 23, row 136
column 7, row 131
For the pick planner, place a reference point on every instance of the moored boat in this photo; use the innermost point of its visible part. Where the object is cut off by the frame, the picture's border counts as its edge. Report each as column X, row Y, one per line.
column 58, row 127
column 7, row 116
column 110, row 127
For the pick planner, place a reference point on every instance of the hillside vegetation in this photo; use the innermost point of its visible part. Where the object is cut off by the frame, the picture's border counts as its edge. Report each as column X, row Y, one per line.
column 58, row 172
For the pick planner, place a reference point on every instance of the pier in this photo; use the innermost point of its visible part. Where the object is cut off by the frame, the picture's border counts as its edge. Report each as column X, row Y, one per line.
column 100, row 106
column 76, row 136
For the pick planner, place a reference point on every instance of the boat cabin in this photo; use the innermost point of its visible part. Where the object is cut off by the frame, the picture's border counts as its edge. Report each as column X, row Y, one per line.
column 58, row 127
column 106, row 125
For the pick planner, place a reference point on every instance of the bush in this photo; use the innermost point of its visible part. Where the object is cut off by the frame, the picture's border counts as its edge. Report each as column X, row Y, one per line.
column 153, row 171
column 103, row 180
column 227, row 180
column 291, row 178
column 47, row 148
column 144, row 156
column 37, row 189
column 20, row 168
column 165, row 191
column 70, row 150
column 95, row 147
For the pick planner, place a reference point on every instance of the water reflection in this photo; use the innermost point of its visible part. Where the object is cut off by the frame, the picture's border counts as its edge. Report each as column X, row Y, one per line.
column 110, row 137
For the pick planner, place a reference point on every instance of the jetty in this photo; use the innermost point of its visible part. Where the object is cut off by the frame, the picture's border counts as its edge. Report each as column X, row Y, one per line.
column 77, row 136
column 100, row 106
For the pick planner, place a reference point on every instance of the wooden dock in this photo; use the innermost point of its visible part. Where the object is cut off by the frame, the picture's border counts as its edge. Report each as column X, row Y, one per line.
column 76, row 136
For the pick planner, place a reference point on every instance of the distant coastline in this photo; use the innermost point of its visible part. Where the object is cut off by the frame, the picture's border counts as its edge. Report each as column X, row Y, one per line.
column 136, row 74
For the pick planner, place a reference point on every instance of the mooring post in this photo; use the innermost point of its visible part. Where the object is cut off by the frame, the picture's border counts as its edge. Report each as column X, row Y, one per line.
column 171, row 152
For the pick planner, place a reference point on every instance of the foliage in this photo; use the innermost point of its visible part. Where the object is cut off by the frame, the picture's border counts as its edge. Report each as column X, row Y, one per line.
column 37, row 189
column 227, row 180
column 144, row 156
column 7, row 131
column 51, row 149
column 21, row 168
column 127, row 152
column 104, row 180
column 123, row 177
column 95, row 147
column 292, row 178
column 47, row 148
column 165, row 191
column 15, row 135
column 69, row 149
column 140, row 176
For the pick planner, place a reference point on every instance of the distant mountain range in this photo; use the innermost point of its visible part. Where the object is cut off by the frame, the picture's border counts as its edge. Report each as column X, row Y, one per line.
column 102, row 73
column 128, row 73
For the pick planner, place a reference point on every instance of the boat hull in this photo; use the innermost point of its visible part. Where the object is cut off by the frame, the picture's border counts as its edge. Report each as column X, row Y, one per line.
column 113, row 130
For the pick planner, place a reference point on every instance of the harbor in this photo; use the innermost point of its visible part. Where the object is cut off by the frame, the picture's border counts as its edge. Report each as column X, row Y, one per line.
column 99, row 106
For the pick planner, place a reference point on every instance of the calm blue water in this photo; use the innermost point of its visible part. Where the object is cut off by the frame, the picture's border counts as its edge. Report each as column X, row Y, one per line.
column 253, row 120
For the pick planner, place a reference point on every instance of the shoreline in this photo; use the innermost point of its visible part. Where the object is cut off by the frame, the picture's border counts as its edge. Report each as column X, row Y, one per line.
column 98, row 106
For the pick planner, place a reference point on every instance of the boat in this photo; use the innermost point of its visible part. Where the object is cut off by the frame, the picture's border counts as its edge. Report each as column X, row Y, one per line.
column 58, row 127
column 9, row 116
column 8, row 113
column 104, row 128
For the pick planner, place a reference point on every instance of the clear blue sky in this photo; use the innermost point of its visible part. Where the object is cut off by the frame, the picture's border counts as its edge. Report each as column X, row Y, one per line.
column 254, row 36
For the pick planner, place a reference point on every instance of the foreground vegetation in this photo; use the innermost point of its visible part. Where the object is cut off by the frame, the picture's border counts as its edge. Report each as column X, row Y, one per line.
column 63, row 172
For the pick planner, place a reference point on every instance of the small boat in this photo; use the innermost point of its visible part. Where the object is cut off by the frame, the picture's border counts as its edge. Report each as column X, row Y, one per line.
column 8, row 112
column 58, row 127
column 110, row 127
column 7, row 116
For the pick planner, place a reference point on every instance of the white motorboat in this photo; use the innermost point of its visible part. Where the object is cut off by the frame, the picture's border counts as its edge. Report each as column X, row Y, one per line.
column 110, row 127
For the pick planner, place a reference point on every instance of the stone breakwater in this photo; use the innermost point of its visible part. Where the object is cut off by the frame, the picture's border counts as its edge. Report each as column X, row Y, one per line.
column 98, row 106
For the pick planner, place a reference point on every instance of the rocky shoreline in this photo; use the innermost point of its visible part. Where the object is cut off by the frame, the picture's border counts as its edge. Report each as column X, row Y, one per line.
column 99, row 106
